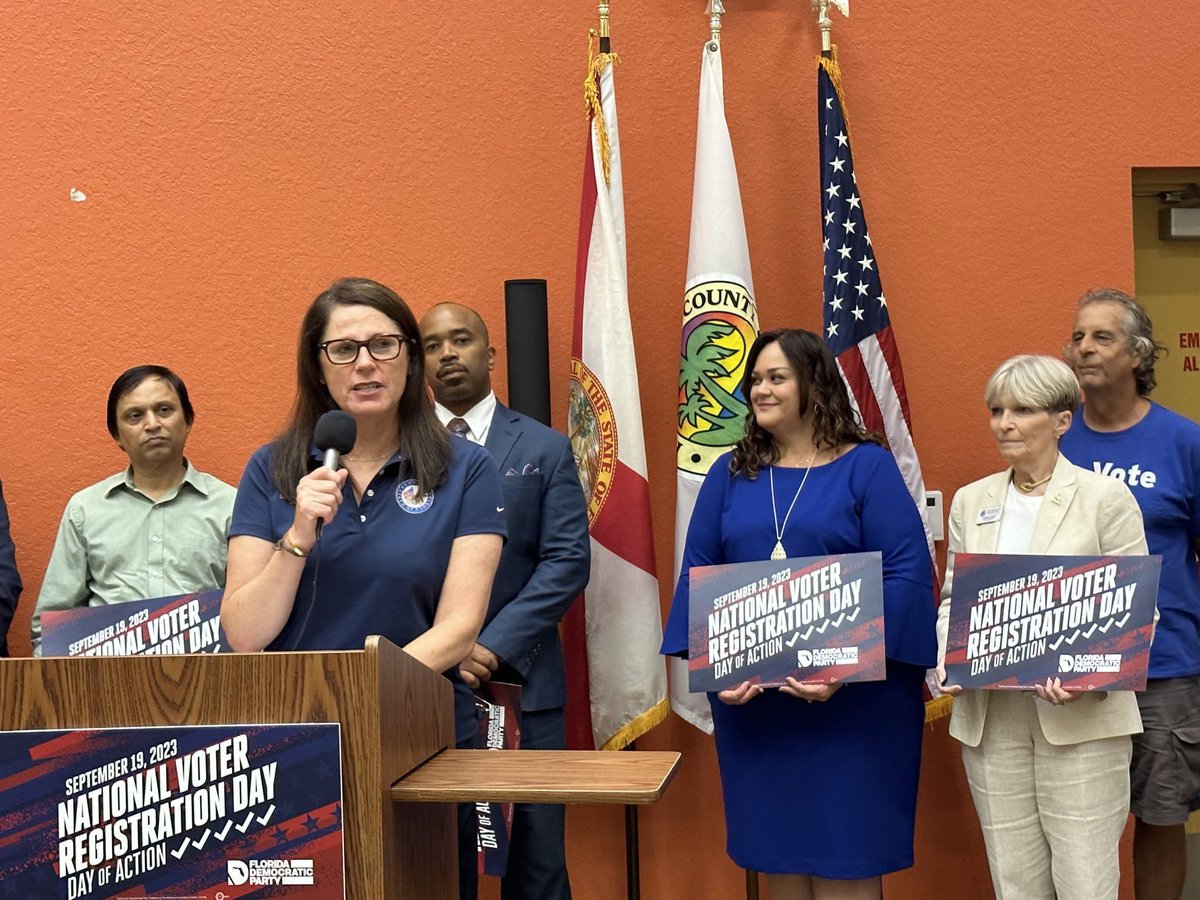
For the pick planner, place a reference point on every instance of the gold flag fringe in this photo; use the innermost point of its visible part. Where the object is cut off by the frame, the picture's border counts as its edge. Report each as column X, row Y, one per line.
column 635, row 728
column 591, row 100
column 1192, row 826
column 938, row 708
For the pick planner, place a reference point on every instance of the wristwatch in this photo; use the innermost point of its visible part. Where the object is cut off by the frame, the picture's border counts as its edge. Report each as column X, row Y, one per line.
column 287, row 546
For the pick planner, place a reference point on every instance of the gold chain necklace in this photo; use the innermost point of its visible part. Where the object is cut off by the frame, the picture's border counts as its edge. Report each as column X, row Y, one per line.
column 779, row 552
column 367, row 458
column 1027, row 487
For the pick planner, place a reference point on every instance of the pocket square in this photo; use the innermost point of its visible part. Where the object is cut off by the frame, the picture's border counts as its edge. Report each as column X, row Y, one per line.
column 527, row 469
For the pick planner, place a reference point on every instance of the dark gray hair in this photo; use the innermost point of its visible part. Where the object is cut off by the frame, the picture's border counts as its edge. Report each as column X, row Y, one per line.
column 1139, row 335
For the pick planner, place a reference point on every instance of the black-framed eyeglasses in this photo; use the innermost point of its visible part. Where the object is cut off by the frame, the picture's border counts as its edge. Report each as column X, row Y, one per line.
column 382, row 347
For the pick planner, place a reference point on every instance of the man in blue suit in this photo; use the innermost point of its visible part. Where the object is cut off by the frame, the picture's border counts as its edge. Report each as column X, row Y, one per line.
column 544, row 567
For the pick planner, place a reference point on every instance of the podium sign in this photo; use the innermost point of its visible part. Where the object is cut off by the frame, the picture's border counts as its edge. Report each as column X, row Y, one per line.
column 208, row 812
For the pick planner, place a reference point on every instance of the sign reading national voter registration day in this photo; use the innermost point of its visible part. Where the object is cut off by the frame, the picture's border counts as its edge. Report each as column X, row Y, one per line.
column 818, row 619
column 202, row 812
column 1016, row 620
column 187, row 623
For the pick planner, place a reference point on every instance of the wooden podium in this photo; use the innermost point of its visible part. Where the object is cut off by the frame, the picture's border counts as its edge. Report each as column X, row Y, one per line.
column 396, row 715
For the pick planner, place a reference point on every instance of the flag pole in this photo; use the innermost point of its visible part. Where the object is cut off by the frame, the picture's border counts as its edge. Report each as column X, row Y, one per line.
column 826, row 24
column 633, row 863
column 716, row 9
column 605, row 42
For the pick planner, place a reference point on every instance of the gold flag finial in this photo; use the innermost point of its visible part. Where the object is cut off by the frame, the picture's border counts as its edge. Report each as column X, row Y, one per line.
column 603, row 8
column 716, row 9
column 825, row 23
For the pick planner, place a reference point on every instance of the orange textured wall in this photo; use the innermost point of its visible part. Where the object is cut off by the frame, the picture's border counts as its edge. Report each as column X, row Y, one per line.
column 237, row 157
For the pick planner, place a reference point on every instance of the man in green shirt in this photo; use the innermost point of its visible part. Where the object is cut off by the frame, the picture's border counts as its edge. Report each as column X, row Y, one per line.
column 154, row 530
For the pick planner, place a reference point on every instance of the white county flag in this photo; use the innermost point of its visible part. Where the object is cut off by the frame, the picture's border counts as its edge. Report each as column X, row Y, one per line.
column 720, row 322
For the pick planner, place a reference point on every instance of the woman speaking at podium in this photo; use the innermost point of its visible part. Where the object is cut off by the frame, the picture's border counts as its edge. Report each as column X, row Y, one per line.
column 1049, row 773
column 402, row 540
column 819, row 795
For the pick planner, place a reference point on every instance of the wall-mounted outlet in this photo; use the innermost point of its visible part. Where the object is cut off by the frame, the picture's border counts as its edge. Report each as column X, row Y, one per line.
column 933, row 514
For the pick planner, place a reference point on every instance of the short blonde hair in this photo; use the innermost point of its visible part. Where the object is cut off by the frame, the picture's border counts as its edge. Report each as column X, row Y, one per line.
column 1038, row 382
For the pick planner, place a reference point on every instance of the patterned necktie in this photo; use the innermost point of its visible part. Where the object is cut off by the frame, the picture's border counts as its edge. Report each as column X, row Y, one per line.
column 458, row 426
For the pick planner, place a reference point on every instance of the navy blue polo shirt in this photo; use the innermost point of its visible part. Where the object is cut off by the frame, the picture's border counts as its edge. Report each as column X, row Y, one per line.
column 382, row 560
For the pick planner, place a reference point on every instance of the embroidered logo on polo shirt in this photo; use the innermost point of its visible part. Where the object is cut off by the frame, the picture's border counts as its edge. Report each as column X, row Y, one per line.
column 410, row 499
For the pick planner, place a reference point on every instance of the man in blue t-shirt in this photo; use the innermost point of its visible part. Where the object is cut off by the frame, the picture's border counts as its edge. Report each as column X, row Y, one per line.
column 1156, row 452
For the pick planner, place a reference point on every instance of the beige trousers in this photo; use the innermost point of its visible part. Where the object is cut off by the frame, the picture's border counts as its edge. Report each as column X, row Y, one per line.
column 1052, row 816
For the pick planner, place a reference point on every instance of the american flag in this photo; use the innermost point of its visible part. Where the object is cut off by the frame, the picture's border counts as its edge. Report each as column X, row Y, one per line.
column 855, row 319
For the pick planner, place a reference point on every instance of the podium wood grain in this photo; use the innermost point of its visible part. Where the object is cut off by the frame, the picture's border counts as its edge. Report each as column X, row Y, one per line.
column 540, row 776
column 397, row 720
column 394, row 713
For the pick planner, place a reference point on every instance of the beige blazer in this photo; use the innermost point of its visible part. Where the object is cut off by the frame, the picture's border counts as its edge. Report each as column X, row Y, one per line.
column 1083, row 514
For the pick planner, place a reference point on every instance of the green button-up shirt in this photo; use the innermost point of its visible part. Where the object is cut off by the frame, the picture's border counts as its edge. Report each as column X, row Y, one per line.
column 116, row 544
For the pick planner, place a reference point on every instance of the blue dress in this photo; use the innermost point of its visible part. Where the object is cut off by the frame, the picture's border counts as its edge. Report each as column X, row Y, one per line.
column 826, row 789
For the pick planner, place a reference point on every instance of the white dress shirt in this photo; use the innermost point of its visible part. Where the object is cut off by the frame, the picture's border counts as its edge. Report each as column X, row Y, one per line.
column 478, row 417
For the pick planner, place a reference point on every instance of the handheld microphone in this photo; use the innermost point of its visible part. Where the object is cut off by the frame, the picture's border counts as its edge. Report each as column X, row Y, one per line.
column 335, row 434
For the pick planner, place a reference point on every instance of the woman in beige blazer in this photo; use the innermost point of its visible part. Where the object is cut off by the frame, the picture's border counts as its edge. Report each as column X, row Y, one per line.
column 1048, row 770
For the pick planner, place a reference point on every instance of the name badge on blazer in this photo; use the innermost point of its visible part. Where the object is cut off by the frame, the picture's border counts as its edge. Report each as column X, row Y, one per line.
column 989, row 514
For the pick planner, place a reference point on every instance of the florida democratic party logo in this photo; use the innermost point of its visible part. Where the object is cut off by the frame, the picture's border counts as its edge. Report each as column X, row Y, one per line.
column 593, row 432
column 827, row 656
column 410, row 498
column 719, row 325
column 269, row 871
column 1088, row 663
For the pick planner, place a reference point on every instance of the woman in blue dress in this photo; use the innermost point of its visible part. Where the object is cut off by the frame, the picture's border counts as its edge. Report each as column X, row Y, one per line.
column 820, row 795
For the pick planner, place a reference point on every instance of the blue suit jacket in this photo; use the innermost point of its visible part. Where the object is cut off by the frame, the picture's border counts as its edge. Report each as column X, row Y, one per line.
column 546, row 560
column 10, row 579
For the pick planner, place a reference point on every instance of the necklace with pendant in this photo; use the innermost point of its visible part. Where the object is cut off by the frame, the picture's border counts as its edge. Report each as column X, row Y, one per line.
column 779, row 552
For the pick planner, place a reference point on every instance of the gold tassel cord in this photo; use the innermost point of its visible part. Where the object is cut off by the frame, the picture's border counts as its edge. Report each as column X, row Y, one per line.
column 591, row 98
column 834, row 71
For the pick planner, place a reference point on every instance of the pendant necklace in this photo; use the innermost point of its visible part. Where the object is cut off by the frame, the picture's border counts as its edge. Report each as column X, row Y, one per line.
column 779, row 552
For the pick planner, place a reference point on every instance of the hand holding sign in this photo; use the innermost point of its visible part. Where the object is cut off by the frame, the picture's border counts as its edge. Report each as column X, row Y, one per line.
column 810, row 692
column 743, row 693
column 1054, row 693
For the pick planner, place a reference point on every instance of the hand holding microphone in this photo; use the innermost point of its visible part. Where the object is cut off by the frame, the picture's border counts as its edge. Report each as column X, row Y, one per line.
column 319, row 493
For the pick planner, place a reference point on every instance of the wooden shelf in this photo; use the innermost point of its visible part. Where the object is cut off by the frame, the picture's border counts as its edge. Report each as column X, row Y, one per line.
column 539, row 776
